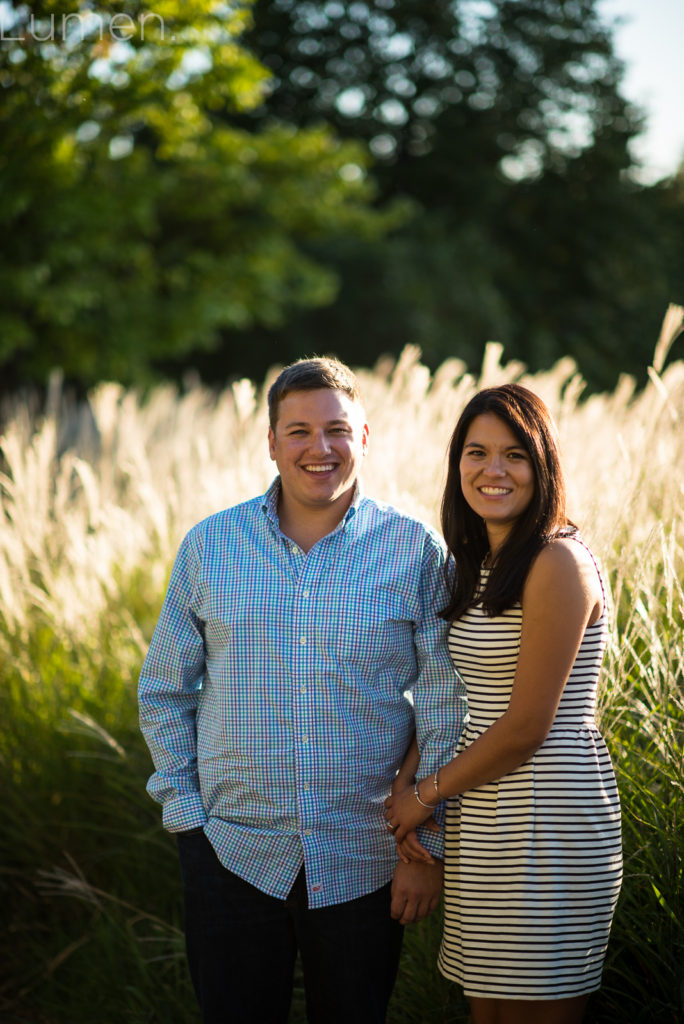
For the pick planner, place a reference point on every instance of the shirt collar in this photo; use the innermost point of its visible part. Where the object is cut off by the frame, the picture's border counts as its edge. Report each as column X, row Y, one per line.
column 269, row 503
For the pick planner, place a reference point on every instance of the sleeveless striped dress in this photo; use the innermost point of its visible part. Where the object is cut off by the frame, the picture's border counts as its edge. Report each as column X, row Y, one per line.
column 533, row 861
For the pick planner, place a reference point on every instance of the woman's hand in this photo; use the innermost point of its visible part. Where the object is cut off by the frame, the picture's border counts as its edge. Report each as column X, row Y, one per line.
column 412, row 850
column 403, row 813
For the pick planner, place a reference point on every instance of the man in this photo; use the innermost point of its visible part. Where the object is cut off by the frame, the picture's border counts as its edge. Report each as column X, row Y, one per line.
column 273, row 702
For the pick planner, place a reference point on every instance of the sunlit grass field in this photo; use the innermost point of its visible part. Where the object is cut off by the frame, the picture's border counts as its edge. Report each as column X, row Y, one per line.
column 95, row 499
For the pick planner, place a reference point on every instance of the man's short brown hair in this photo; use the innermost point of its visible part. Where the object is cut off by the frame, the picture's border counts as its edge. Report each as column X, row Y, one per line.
column 309, row 375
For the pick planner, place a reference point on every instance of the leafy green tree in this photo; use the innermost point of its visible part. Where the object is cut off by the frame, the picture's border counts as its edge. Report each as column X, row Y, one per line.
column 444, row 87
column 140, row 218
column 504, row 125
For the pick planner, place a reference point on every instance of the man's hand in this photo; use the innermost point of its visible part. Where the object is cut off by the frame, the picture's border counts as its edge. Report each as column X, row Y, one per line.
column 416, row 889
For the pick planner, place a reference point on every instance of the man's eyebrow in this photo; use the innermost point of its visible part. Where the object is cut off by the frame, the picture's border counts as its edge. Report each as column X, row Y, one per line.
column 305, row 423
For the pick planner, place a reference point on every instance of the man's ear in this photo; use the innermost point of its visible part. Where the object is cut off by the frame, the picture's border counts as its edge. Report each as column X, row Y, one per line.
column 364, row 438
column 271, row 443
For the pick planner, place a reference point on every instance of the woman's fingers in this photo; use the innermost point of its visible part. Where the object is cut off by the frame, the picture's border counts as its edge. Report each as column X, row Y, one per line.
column 412, row 849
column 432, row 825
column 400, row 834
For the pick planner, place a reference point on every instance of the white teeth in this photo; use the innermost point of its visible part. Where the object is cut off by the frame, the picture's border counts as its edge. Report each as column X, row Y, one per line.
column 319, row 469
column 495, row 490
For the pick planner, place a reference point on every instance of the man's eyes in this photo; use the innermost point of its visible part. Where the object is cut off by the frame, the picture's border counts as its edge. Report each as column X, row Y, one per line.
column 300, row 432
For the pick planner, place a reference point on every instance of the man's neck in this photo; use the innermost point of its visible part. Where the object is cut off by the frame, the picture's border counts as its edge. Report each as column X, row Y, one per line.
column 307, row 527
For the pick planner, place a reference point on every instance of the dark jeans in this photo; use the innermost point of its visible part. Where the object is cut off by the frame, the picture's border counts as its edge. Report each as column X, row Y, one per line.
column 242, row 945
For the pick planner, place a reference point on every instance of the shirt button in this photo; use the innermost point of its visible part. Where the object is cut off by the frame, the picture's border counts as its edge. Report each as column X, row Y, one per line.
column 305, row 739
column 307, row 786
column 302, row 640
column 307, row 831
column 305, row 593
column 302, row 689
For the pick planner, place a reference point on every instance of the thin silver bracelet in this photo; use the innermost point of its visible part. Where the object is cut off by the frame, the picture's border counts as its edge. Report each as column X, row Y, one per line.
column 422, row 802
column 439, row 795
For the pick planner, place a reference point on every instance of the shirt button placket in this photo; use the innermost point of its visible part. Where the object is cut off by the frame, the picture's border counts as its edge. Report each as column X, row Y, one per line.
column 303, row 685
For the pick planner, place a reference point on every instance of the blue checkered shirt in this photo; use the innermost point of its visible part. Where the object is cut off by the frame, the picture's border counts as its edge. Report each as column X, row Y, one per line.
column 273, row 697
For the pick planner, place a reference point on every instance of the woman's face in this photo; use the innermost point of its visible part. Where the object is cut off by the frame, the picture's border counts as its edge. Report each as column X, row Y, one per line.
column 497, row 475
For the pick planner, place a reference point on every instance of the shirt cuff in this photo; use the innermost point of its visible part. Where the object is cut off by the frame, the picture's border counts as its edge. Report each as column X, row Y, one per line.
column 433, row 841
column 184, row 812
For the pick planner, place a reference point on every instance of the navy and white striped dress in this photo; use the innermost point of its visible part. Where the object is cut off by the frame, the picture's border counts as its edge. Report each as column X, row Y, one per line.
column 533, row 861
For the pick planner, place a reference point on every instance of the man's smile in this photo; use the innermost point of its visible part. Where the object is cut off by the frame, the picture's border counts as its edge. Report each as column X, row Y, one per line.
column 324, row 467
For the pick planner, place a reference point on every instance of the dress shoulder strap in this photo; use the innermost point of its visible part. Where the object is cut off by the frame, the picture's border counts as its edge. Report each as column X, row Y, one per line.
column 578, row 537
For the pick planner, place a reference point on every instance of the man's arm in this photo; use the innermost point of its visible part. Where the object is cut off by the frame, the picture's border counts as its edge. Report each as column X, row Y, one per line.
column 439, row 708
column 407, row 773
column 405, row 778
column 168, row 693
column 439, row 695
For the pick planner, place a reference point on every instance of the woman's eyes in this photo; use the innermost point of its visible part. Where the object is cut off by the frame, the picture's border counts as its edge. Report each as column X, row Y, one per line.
column 479, row 453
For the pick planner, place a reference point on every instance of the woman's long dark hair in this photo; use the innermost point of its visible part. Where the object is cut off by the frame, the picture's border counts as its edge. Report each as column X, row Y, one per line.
column 528, row 418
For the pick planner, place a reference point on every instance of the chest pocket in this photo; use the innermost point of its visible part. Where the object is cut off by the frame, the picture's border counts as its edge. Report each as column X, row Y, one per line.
column 373, row 626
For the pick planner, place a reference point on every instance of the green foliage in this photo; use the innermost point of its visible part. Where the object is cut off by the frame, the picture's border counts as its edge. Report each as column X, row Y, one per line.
column 453, row 87
column 189, row 188
column 142, row 219
column 87, row 878
column 422, row 995
column 644, row 712
column 504, row 126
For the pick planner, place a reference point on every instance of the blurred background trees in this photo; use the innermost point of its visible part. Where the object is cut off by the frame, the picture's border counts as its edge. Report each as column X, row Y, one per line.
column 140, row 220
column 217, row 188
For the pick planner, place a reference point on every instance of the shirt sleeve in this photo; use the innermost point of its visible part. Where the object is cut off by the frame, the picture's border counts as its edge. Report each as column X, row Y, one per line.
column 439, row 694
column 168, row 694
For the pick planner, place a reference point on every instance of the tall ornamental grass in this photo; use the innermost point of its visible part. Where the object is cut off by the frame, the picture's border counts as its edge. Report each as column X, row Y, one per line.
column 95, row 498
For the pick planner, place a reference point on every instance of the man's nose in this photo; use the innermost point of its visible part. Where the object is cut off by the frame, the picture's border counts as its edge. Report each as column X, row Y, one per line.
column 320, row 443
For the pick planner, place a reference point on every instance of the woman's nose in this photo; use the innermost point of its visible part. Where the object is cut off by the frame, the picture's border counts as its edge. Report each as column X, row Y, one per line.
column 495, row 466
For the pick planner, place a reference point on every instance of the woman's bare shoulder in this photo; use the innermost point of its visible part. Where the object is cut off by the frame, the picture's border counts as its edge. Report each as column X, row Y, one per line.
column 567, row 562
column 565, row 552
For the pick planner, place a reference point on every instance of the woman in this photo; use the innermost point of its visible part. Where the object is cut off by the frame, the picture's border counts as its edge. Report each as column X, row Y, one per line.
column 533, row 857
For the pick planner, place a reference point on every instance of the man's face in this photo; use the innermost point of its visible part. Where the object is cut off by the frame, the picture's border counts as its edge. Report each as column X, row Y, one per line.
column 319, row 440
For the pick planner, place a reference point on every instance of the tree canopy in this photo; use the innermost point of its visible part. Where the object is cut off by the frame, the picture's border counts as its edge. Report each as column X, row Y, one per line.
column 141, row 218
column 505, row 126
